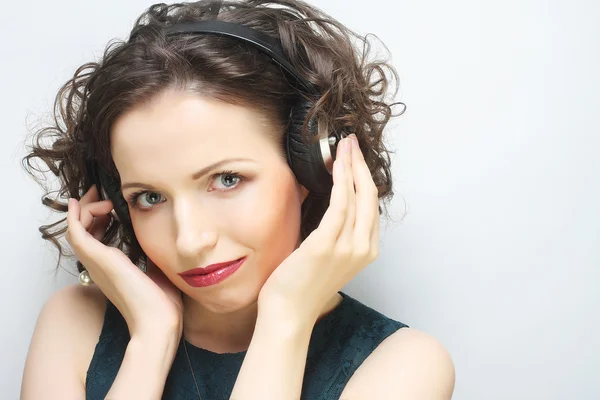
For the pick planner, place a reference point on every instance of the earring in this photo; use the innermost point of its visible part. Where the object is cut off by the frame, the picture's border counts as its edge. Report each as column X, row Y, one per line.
column 85, row 279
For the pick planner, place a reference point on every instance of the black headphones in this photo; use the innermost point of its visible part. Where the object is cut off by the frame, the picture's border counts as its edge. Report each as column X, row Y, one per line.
column 311, row 164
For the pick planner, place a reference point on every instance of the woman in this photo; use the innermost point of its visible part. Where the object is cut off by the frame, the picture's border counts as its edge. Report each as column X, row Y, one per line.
column 213, row 230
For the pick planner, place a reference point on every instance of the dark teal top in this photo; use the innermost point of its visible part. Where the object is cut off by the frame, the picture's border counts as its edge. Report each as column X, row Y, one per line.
column 340, row 342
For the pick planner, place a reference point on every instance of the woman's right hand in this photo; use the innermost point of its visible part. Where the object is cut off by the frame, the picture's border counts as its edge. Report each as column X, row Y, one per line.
column 149, row 302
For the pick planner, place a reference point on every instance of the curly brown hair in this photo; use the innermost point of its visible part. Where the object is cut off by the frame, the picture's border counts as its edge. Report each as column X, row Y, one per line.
column 353, row 93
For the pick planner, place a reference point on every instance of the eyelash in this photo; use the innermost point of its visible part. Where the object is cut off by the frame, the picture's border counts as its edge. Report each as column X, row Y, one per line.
column 133, row 198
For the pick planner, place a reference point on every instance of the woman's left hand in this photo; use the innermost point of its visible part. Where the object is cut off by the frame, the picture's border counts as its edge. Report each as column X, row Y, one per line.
column 344, row 243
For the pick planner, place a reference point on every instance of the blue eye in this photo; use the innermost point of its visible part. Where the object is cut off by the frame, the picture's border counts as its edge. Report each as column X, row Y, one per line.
column 233, row 180
column 150, row 197
column 133, row 199
column 229, row 174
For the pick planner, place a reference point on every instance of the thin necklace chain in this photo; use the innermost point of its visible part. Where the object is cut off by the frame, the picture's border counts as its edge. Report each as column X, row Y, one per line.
column 190, row 364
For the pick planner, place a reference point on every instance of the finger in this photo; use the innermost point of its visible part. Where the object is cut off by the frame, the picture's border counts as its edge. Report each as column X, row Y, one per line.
column 374, row 238
column 367, row 201
column 333, row 220
column 345, row 238
column 90, row 196
column 93, row 210
column 76, row 234
column 88, row 249
column 98, row 228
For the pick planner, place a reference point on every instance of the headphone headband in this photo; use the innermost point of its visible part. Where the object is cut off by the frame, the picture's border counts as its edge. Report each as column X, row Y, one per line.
column 267, row 44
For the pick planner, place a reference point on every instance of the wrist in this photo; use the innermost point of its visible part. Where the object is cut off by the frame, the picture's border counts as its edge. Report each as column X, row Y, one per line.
column 153, row 331
column 162, row 343
column 274, row 316
column 275, row 362
column 156, row 353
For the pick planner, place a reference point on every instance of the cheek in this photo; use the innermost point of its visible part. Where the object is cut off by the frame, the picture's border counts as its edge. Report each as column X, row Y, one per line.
column 152, row 238
column 272, row 224
column 271, row 210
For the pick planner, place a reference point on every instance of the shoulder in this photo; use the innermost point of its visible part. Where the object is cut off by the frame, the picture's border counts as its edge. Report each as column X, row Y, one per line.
column 79, row 312
column 408, row 364
column 65, row 337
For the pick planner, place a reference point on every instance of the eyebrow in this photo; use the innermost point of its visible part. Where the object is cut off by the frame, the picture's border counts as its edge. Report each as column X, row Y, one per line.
column 196, row 175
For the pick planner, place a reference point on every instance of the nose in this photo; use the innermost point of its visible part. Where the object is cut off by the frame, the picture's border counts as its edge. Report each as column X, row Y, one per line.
column 194, row 230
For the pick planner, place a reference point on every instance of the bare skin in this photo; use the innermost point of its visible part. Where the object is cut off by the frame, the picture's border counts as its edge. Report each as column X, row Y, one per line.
column 183, row 223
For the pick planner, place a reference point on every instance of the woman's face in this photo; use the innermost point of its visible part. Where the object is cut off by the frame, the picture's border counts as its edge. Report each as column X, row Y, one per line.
column 184, row 222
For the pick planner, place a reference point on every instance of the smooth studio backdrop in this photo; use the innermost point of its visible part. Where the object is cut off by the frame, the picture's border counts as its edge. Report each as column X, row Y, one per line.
column 497, row 176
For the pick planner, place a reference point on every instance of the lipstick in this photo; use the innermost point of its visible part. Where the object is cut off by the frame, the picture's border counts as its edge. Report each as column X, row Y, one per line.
column 211, row 275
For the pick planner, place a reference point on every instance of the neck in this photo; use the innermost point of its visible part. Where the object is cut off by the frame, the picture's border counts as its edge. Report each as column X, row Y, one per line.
column 219, row 332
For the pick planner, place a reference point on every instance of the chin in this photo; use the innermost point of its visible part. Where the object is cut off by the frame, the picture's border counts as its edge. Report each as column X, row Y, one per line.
column 227, row 300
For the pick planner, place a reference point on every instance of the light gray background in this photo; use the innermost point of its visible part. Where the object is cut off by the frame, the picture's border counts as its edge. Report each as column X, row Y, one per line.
column 497, row 170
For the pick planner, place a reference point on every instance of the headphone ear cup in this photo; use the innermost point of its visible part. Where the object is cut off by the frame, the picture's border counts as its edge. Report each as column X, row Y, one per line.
column 111, row 189
column 104, row 196
column 311, row 163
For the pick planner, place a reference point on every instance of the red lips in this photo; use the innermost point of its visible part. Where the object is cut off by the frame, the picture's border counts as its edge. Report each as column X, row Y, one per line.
column 200, row 277
column 208, row 269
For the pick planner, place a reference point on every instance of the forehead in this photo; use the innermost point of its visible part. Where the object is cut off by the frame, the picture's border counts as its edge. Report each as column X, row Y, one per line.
column 181, row 124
